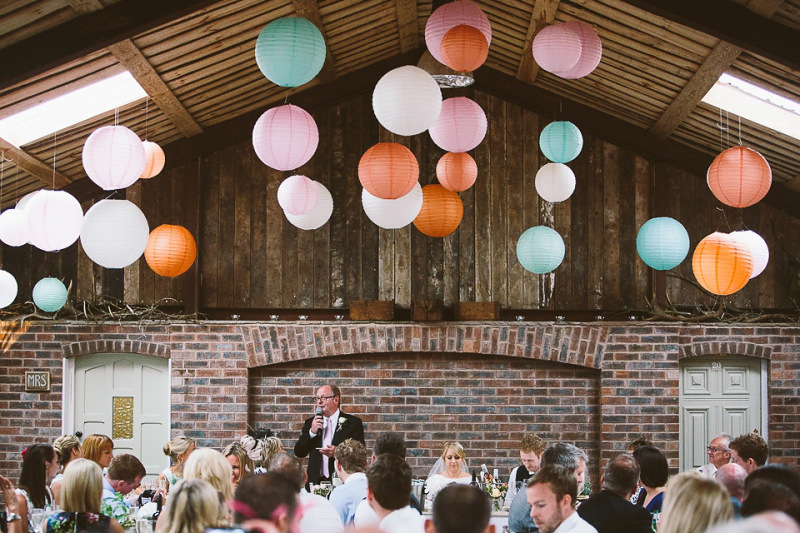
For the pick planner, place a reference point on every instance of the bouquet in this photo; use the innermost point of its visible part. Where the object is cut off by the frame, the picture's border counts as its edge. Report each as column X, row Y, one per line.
column 497, row 492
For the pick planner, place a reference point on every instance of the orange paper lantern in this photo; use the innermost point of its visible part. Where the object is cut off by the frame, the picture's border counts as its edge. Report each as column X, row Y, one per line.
column 739, row 177
column 456, row 171
column 464, row 48
column 441, row 211
column 388, row 170
column 722, row 264
column 170, row 251
column 153, row 160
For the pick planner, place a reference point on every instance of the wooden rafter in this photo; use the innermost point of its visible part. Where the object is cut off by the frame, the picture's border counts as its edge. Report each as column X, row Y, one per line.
column 544, row 13
column 310, row 10
column 33, row 166
column 143, row 72
column 407, row 24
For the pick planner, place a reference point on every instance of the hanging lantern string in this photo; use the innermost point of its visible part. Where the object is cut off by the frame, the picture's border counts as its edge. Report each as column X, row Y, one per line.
column 2, row 173
column 146, row 109
column 723, row 218
column 286, row 98
column 55, row 141
column 740, row 130
column 727, row 128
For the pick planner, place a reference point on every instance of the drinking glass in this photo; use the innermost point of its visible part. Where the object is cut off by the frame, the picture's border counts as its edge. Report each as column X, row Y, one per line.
column 144, row 525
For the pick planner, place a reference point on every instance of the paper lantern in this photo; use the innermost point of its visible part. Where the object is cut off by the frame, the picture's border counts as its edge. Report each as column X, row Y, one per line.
column 456, row 171
column 49, row 294
column 662, row 243
column 450, row 15
column 758, row 249
column 739, row 177
column 153, row 160
column 557, row 48
column 113, row 157
column 464, row 48
column 722, row 264
column 297, row 195
column 290, row 51
column 392, row 214
column 388, row 170
column 8, row 288
column 441, row 211
column 23, row 202
column 540, row 249
column 555, row 182
column 461, row 125
column 114, row 233
column 285, row 137
column 54, row 220
column 407, row 100
column 591, row 51
column 170, row 250
column 561, row 141
column 319, row 215
column 14, row 229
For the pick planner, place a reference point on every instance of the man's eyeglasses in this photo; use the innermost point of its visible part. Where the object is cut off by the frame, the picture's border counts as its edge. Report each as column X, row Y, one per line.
column 315, row 399
column 715, row 450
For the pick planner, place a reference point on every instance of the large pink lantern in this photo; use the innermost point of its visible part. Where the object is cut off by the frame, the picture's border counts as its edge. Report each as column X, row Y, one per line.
column 557, row 48
column 285, row 137
column 113, row 157
column 297, row 194
column 461, row 125
column 591, row 50
column 450, row 15
column 54, row 220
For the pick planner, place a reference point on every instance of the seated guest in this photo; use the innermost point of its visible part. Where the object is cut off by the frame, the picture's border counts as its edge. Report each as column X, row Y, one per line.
column 81, row 490
column 193, row 506
column 732, row 477
column 319, row 516
column 638, row 443
column 267, row 503
column 39, row 467
column 211, row 466
column 772, row 487
column 98, row 448
column 610, row 510
column 388, row 493
column 124, row 474
column 240, row 462
column 178, row 450
column 351, row 462
column 460, row 509
column 566, row 455
column 764, row 522
column 530, row 454
column 13, row 520
column 451, row 467
column 749, row 451
column 68, row 448
column 719, row 453
column 653, row 475
column 693, row 503
column 552, row 493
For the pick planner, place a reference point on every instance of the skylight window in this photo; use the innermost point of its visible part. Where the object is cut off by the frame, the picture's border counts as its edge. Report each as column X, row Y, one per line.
column 70, row 109
column 755, row 104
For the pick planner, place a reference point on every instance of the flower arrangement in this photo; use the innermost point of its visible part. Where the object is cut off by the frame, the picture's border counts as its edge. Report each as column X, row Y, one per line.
column 497, row 492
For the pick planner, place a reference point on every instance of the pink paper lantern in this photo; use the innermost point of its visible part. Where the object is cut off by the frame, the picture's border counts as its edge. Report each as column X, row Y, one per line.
column 450, row 15
column 557, row 48
column 591, row 51
column 285, row 137
column 461, row 125
column 113, row 157
column 297, row 195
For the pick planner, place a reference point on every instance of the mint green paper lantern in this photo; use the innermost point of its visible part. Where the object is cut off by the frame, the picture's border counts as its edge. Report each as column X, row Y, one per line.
column 662, row 243
column 290, row 51
column 561, row 141
column 49, row 294
column 540, row 249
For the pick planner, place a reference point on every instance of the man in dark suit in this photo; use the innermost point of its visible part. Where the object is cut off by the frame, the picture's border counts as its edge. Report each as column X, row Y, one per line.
column 609, row 511
column 323, row 431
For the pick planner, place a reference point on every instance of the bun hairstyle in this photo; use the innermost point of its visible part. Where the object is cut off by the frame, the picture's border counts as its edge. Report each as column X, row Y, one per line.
column 63, row 446
column 177, row 446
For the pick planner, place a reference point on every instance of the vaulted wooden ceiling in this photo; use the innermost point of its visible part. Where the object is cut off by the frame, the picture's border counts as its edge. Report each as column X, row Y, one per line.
column 195, row 60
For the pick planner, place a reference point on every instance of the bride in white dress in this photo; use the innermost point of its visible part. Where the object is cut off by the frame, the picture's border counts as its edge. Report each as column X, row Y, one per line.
column 451, row 467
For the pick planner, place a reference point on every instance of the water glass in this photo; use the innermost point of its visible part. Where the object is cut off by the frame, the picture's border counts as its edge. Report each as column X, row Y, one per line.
column 144, row 525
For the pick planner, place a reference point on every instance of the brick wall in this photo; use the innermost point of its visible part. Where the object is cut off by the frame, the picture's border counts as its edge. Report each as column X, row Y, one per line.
column 599, row 384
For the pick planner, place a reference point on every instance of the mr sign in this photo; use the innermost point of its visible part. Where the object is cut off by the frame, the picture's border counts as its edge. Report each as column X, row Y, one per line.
column 37, row 381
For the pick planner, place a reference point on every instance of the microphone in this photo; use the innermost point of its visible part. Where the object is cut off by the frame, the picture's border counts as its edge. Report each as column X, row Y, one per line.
column 318, row 412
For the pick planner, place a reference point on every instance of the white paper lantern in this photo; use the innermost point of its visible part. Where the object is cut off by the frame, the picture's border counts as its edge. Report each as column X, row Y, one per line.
column 297, row 194
column 758, row 248
column 8, row 288
column 555, row 182
column 395, row 213
column 49, row 294
column 23, row 202
column 54, row 220
column 319, row 215
column 407, row 100
column 14, row 229
column 114, row 233
column 461, row 125
column 113, row 157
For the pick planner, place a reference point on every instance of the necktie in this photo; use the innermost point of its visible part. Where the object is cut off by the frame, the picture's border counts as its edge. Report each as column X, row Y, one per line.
column 327, row 437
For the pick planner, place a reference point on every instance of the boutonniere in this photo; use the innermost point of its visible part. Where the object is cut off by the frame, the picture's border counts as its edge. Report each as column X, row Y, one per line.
column 342, row 421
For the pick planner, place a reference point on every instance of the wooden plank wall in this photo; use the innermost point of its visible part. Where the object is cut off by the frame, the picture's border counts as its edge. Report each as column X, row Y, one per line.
column 251, row 257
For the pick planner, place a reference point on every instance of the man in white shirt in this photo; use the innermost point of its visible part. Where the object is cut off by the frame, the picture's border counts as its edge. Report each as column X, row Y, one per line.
column 389, row 493
column 531, row 449
column 719, row 453
column 351, row 462
column 552, row 494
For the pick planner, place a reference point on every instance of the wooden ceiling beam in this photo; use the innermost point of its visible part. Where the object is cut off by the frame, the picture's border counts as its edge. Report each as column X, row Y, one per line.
column 143, row 72
column 309, row 9
column 88, row 33
column 33, row 166
column 544, row 13
column 733, row 23
column 407, row 25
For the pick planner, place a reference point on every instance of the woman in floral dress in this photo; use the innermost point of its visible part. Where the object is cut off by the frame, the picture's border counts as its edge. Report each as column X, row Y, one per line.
column 81, row 495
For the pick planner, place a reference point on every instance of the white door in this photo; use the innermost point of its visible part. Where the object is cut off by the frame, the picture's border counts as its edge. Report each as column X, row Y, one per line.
column 127, row 397
column 719, row 394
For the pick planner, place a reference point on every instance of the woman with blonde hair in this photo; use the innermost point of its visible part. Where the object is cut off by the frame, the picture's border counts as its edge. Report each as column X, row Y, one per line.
column 81, row 496
column 193, row 506
column 98, row 448
column 178, row 450
column 451, row 467
column 211, row 466
column 68, row 448
column 693, row 503
column 241, row 464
